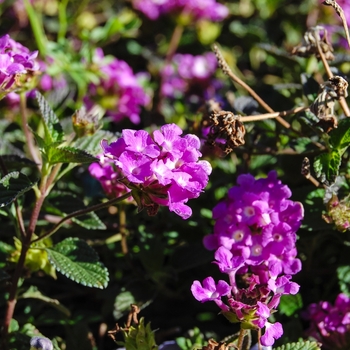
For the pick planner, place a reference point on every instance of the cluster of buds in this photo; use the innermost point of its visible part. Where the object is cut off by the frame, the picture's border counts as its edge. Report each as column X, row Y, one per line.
column 162, row 169
column 16, row 61
column 118, row 92
column 193, row 10
column 330, row 324
column 254, row 237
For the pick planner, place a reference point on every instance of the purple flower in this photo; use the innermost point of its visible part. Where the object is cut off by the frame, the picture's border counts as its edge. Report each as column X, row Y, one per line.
column 162, row 169
column 15, row 60
column 118, row 91
column 272, row 332
column 41, row 343
column 259, row 221
column 194, row 9
column 189, row 75
column 330, row 324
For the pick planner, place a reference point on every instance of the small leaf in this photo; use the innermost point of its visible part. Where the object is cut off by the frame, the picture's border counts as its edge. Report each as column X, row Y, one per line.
column 301, row 345
column 340, row 137
column 90, row 221
column 91, row 143
column 69, row 155
column 76, row 260
column 34, row 293
column 290, row 304
column 326, row 166
column 12, row 186
column 53, row 128
column 343, row 273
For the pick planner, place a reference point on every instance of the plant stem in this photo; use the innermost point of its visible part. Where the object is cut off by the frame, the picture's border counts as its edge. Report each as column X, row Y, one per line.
column 122, row 228
column 82, row 212
column 342, row 100
column 241, row 336
column 226, row 70
column 27, row 133
column 252, row 118
column 62, row 15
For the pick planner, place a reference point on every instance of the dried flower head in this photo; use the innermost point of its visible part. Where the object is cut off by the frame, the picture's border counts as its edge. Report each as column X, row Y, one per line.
column 313, row 38
column 228, row 127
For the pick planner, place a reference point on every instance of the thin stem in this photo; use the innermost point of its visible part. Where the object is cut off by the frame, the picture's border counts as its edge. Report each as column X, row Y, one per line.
column 28, row 135
column 62, row 15
column 174, row 43
column 82, row 212
column 259, row 341
column 241, row 336
column 122, row 228
column 226, row 70
column 342, row 100
column 252, row 118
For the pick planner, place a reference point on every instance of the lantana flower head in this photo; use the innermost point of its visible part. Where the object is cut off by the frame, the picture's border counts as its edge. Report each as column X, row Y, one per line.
column 259, row 221
column 193, row 9
column 330, row 323
column 189, row 75
column 160, row 169
column 119, row 91
column 15, row 60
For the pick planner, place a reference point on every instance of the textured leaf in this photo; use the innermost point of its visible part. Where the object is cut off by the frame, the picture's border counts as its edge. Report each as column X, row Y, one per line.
column 12, row 186
column 91, row 143
column 90, row 221
column 340, row 137
column 343, row 273
column 69, row 155
column 12, row 160
column 289, row 304
column 122, row 304
column 301, row 345
column 326, row 166
column 34, row 293
column 53, row 128
column 76, row 260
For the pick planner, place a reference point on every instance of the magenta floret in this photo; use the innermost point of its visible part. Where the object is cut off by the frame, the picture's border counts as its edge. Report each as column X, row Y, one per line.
column 162, row 169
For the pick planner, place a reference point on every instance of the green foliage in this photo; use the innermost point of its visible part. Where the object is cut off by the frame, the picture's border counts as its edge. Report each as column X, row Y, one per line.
column 139, row 337
column 195, row 340
column 289, row 304
column 75, row 259
column 301, row 345
column 12, row 186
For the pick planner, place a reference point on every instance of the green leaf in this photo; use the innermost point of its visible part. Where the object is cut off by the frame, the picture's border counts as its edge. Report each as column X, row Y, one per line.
column 90, row 221
column 339, row 138
column 301, row 345
column 289, row 304
column 12, row 186
column 69, row 155
column 91, row 143
column 53, row 128
column 122, row 304
column 343, row 273
column 34, row 293
column 76, row 260
column 326, row 166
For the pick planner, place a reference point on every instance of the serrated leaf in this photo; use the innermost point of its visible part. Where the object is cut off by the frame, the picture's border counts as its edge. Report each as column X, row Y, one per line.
column 90, row 221
column 339, row 138
column 91, row 143
column 122, row 304
column 76, row 260
column 289, row 304
column 34, row 293
column 53, row 128
column 69, row 155
column 301, row 345
column 343, row 273
column 12, row 186
column 12, row 160
column 326, row 166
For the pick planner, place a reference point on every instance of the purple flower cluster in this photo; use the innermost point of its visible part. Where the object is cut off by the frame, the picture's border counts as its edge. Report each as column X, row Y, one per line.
column 195, row 9
column 118, row 91
column 330, row 324
column 108, row 177
column 15, row 60
column 188, row 74
column 162, row 169
column 254, row 236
